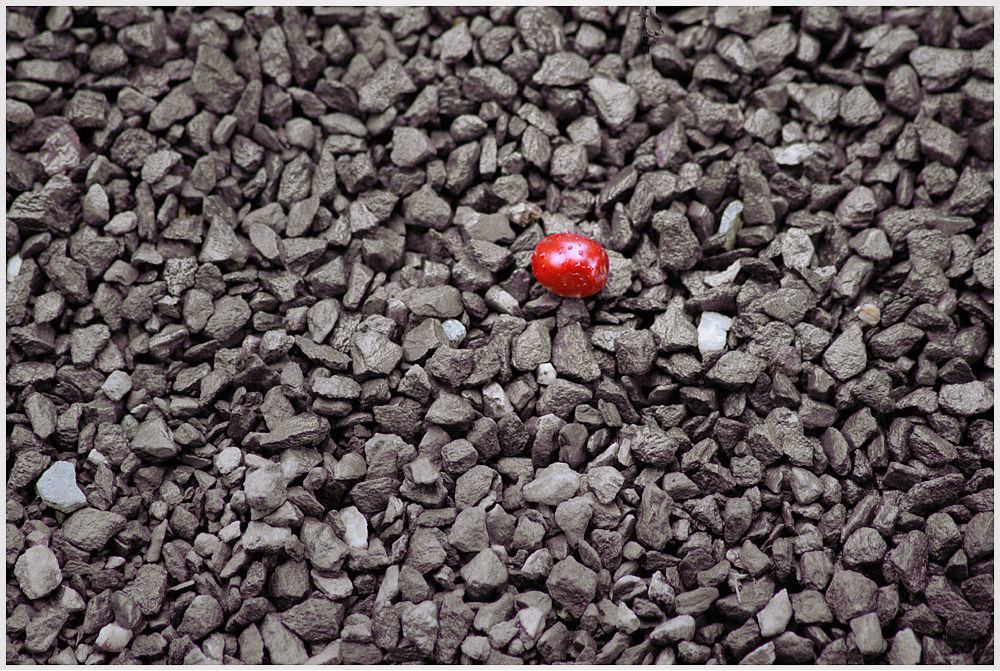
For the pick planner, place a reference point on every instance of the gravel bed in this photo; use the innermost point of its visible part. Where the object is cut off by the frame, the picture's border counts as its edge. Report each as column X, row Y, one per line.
column 281, row 388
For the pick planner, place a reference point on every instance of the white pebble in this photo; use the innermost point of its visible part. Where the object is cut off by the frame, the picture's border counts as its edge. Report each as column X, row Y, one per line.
column 868, row 313
column 355, row 527
column 731, row 222
column 723, row 276
column 793, row 154
column 712, row 331
column 454, row 330
column 730, row 216
column 57, row 488
column 96, row 458
column 545, row 374
column 113, row 638
column 13, row 268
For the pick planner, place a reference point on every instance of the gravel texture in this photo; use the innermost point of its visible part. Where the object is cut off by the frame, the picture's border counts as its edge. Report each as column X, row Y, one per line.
column 282, row 389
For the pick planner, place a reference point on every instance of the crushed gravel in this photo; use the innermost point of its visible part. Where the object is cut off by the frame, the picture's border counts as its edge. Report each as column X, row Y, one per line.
column 281, row 387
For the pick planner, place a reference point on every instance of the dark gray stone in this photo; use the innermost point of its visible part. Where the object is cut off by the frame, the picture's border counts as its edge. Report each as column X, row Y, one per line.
column 91, row 529
column 735, row 369
column 850, row 594
column 572, row 585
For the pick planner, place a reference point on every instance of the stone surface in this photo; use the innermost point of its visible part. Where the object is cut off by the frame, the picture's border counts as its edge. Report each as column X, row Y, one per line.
column 616, row 102
column 315, row 619
column 864, row 547
column 201, row 618
column 265, row 488
column 868, row 635
column 112, row 638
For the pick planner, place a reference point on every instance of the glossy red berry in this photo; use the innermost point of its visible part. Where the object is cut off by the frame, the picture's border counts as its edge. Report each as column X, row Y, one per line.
column 570, row 265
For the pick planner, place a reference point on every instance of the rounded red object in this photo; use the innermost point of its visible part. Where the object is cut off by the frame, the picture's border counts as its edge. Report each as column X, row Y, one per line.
column 570, row 265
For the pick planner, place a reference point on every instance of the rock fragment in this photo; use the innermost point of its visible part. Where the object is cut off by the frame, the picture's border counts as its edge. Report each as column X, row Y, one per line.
column 37, row 572
column 154, row 440
column 58, row 488
column 572, row 586
column 91, row 529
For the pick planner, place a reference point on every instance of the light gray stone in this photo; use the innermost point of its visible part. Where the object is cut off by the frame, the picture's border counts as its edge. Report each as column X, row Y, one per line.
column 58, row 489
column 37, row 572
column 552, row 485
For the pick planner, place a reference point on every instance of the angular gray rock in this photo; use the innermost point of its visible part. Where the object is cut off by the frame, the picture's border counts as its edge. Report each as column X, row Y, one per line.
column 265, row 488
column 37, row 572
column 851, row 594
column 373, row 353
column 679, row 248
column 969, row 398
column 533, row 346
column 91, row 529
column 864, row 547
column 201, row 618
column 484, row 575
column 616, row 102
column 154, row 440
column 563, row 68
column 867, row 632
column 906, row 648
column 847, row 355
column 561, row 397
column 673, row 329
column 426, row 209
column 315, row 619
column 410, row 147
column 298, row 431
column 572, row 585
column 552, row 485
column 420, row 626
column 736, row 369
column 652, row 527
column 230, row 315
column 283, row 647
column 775, row 616
column 573, row 355
column 651, row 445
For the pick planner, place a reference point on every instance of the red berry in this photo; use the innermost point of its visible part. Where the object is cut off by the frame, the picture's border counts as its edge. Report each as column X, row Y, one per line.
column 570, row 265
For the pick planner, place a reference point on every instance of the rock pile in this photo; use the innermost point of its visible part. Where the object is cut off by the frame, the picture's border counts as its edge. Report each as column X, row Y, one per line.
column 282, row 389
